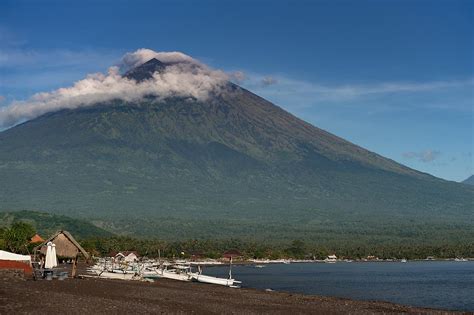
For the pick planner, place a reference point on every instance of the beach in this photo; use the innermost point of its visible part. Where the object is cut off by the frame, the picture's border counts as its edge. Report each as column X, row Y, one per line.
column 99, row 296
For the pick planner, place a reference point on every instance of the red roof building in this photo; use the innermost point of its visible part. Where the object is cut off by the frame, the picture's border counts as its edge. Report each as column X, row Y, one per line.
column 233, row 253
column 36, row 239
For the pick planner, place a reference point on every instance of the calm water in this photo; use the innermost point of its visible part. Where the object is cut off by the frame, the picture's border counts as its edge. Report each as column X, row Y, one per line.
column 448, row 285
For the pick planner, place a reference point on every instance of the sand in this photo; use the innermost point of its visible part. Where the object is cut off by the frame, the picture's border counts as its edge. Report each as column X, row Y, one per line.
column 99, row 296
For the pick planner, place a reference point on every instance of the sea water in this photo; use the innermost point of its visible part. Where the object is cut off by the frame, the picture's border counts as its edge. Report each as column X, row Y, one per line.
column 434, row 284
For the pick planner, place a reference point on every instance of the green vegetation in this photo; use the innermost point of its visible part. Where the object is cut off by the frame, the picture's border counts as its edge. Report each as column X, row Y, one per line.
column 18, row 228
column 17, row 238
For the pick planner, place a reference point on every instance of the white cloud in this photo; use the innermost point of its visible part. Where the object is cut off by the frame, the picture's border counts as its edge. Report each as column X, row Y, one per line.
column 423, row 156
column 136, row 58
column 238, row 76
column 183, row 77
column 268, row 80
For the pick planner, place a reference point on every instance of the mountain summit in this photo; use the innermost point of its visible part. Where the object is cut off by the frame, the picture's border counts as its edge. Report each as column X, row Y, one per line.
column 229, row 163
column 469, row 180
column 146, row 70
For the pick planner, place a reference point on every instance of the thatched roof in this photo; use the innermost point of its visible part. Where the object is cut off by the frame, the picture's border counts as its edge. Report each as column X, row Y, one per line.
column 66, row 245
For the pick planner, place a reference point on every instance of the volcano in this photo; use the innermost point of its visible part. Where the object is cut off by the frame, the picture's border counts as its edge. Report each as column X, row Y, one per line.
column 232, row 165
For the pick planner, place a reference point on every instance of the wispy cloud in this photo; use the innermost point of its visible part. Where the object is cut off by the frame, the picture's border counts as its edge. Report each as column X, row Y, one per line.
column 425, row 156
column 238, row 76
column 268, row 80
column 302, row 96
column 305, row 90
column 27, row 71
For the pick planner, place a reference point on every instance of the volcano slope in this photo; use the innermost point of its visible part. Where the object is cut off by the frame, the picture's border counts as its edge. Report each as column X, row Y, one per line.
column 234, row 165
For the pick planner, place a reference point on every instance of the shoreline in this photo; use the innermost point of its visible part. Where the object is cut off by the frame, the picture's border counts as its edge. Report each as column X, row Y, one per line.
column 298, row 261
column 104, row 296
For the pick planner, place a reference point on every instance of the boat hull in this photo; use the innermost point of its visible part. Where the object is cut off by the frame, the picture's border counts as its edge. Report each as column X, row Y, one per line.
column 116, row 275
column 214, row 280
column 168, row 275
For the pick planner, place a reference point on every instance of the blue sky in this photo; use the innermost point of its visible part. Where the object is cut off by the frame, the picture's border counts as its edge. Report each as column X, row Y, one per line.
column 396, row 77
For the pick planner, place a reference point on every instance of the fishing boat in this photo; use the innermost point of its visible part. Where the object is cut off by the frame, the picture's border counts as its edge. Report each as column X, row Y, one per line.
column 228, row 282
column 174, row 272
column 116, row 274
column 215, row 280
column 151, row 273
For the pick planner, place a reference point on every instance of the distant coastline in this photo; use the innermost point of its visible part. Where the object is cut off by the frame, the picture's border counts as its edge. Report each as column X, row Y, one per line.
column 212, row 263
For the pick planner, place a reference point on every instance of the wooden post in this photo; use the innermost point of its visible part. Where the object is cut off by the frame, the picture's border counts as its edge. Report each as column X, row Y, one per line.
column 74, row 267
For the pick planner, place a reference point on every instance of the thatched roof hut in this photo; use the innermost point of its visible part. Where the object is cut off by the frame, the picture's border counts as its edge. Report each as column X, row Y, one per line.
column 66, row 247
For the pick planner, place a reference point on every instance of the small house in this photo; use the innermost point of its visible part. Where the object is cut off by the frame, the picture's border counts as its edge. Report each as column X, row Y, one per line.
column 331, row 259
column 36, row 239
column 126, row 256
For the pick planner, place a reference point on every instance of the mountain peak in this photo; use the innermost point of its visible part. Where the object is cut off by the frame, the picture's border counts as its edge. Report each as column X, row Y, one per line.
column 469, row 180
column 145, row 71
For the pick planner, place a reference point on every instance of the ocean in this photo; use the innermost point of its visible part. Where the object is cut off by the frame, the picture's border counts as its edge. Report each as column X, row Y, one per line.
column 434, row 284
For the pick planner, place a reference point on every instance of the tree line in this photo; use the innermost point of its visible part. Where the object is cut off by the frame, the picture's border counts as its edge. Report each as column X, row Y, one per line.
column 297, row 249
column 17, row 237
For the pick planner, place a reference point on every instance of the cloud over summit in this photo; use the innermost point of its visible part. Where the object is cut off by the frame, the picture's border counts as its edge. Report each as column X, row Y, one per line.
column 140, row 56
column 183, row 77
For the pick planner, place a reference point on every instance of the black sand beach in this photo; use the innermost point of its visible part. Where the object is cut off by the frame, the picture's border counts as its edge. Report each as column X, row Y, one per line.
column 99, row 296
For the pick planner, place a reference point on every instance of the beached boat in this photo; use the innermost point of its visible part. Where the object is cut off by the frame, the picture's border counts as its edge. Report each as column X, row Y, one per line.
column 180, row 271
column 215, row 280
column 228, row 282
column 175, row 275
column 175, row 272
column 120, row 275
